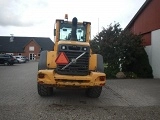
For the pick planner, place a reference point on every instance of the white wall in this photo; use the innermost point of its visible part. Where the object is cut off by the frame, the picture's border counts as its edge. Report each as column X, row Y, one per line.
column 148, row 49
column 155, row 53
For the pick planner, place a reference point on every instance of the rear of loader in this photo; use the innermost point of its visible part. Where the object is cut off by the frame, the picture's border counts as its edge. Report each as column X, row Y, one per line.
column 71, row 64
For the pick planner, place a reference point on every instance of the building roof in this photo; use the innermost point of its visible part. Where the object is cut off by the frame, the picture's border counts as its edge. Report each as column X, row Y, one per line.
column 19, row 43
column 138, row 13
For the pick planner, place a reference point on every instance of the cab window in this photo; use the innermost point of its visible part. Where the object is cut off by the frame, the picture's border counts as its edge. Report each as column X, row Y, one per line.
column 66, row 28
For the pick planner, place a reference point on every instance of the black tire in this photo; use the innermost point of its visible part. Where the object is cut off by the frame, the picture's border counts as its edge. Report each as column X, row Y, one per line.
column 44, row 90
column 94, row 92
column 42, row 64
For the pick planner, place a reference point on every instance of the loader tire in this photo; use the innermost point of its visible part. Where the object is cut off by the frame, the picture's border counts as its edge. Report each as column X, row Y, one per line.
column 94, row 92
column 44, row 90
column 100, row 65
column 42, row 64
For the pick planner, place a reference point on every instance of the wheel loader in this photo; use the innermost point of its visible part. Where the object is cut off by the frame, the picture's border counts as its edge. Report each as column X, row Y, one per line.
column 71, row 64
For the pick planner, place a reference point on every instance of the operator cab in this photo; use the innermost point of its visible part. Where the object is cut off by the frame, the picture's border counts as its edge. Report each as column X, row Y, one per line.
column 72, row 30
column 66, row 30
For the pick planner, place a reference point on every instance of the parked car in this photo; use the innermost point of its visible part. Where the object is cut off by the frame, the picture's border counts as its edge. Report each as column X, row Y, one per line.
column 7, row 59
column 26, row 58
column 20, row 59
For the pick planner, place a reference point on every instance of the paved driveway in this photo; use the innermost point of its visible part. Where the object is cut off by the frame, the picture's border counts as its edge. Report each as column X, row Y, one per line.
column 19, row 98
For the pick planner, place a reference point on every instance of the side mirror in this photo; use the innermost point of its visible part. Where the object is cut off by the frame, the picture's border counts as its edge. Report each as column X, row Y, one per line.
column 54, row 32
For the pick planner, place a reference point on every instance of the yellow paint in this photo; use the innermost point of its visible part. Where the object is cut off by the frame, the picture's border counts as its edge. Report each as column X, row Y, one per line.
column 55, row 79
column 73, row 43
column 51, row 57
column 93, row 62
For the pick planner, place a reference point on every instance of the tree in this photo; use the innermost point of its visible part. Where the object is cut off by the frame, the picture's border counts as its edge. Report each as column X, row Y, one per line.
column 120, row 49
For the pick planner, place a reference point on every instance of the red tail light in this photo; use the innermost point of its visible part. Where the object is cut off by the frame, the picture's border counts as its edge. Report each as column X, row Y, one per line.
column 102, row 78
column 41, row 75
column 102, row 84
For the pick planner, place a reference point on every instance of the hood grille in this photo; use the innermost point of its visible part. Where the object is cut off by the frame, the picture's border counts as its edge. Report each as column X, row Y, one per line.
column 80, row 67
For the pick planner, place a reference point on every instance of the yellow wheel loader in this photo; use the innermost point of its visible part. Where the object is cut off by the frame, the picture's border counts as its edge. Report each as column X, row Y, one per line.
column 71, row 64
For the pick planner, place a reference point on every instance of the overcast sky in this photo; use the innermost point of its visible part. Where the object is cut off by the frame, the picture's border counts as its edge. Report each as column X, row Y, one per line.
column 36, row 18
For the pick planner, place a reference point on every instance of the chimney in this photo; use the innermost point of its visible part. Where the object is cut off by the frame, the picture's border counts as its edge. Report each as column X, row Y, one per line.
column 11, row 38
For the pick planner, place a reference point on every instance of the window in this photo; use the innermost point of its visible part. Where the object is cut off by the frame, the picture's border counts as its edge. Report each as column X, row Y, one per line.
column 7, row 56
column 66, row 28
column 31, row 48
column 38, row 54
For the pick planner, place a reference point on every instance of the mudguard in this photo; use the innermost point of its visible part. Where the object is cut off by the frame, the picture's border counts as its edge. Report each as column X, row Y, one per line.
column 42, row 61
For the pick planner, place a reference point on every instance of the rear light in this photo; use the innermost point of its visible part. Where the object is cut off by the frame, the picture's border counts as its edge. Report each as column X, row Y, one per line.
column 102, row 78
column 102, row 84
column 41, row 75
column 40, row 82
column 63, row 47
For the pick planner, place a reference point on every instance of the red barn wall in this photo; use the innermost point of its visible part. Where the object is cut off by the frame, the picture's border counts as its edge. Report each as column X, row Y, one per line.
column 147, row 39
column 147, row 21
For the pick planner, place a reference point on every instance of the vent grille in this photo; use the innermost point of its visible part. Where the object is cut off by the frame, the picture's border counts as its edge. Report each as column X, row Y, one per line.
column 79, row 68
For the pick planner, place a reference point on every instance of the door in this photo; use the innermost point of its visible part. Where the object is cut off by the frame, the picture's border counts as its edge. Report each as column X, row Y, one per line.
column 31, row 56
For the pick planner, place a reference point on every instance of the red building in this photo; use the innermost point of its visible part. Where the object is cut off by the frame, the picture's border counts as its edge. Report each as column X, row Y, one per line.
column 146, row 20
column 25, row 46
column 147, row 23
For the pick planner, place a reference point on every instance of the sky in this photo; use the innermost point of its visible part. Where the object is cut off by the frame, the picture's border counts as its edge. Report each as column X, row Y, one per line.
column 36, row 18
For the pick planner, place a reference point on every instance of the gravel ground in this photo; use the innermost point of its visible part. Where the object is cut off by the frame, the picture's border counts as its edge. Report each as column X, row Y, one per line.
column 120, row 99
column 67, row 112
